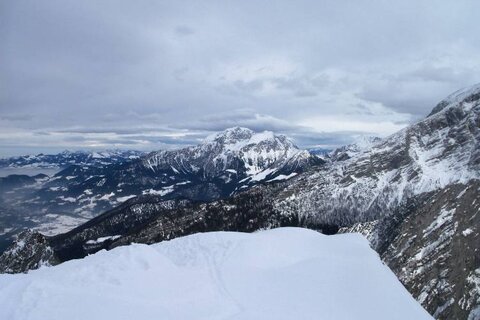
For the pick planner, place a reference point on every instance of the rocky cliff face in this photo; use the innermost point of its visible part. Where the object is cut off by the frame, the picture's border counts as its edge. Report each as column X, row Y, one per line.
column 431, row 244
column 31, row 250
column 435, row 252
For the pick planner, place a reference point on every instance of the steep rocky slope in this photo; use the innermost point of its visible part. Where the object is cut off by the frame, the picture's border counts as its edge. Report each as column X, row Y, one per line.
column 31, row 251
column 435, row 251
column 440, row 150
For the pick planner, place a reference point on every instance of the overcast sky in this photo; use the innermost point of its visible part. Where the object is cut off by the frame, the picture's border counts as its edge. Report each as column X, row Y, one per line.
column 161, row 74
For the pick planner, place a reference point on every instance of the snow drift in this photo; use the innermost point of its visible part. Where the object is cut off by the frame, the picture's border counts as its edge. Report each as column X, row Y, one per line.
column 286, row 273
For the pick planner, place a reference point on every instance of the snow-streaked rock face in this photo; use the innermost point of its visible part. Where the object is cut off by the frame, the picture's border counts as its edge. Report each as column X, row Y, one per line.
column 435, row 251
column 463, row 98
column 31, row 251
column 286, row 273
column 432, row 246
column 346, row 152
column 235, row 152
column 440, row 150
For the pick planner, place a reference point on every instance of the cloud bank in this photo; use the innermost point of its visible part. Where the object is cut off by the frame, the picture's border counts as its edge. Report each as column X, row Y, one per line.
column 163, row 74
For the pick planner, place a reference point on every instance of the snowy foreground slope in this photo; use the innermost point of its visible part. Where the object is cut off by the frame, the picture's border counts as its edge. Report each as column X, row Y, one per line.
column 285, row 273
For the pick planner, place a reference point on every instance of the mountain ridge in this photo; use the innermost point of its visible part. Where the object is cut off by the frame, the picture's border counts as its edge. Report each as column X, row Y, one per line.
column 227, row 162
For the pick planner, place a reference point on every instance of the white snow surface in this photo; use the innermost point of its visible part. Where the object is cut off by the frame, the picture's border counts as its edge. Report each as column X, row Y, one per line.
column 103, row 239
column 283, row 177
column 286, row 273
column 125, row 198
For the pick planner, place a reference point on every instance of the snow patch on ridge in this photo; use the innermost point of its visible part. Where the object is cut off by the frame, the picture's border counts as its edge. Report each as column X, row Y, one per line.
column 287, row 273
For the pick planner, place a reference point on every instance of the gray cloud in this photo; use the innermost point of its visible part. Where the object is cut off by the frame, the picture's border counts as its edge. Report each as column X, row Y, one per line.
column 243, row 118
column 184, row 30
column 162, row 74
column 16, row 117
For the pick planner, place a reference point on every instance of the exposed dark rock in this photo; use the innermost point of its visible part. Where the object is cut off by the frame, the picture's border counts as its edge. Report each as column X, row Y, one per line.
column 30, row 251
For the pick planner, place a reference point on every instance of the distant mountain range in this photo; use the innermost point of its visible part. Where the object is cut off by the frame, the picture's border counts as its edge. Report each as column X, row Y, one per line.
column 415, row 195
column 92, row 183
column 68, row 158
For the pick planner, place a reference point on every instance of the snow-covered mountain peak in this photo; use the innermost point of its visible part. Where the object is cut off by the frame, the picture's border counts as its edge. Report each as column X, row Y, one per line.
column 237, row 138
column 366, row 142
column 257, row 150
column 248, row 155
column 466, row 98
column 240, row 143
column 361, row 144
